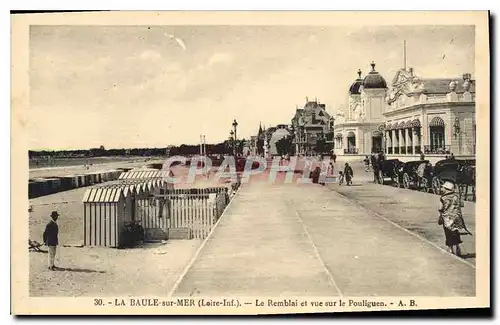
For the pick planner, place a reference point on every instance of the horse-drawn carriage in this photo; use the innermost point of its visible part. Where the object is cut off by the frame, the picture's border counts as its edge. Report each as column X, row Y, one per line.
column 415, row 174
column 388, row 169
column 462, row 172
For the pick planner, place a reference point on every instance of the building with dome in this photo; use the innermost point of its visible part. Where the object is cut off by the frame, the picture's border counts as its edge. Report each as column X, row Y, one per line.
column 412, row 116
column 358, row 129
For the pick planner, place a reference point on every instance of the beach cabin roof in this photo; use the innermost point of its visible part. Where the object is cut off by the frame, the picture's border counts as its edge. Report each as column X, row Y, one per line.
column 145, row 174
column 114, row 190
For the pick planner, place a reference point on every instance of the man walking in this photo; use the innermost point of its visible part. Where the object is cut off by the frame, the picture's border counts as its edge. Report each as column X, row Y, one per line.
column 348, row 174
column 50, row 238
column 375, row 168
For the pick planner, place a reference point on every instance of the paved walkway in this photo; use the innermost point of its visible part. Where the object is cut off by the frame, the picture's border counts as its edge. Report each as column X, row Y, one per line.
column 307, row 240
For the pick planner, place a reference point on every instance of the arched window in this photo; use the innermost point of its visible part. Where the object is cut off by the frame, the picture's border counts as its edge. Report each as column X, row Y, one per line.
column 351, row 142
column 437, row 135
column 338, row 140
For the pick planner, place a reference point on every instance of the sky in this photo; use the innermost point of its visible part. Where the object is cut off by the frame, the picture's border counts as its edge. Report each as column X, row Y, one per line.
column 153, row 86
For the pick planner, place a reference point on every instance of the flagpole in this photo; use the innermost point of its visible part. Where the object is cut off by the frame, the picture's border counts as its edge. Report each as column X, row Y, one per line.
column 405, row 54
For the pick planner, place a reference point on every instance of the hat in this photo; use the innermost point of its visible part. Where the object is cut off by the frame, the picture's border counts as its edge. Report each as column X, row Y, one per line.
column 54, row 214
column 448, row 186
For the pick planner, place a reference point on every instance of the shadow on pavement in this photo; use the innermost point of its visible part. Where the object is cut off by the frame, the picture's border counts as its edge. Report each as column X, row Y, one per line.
column 69, row 269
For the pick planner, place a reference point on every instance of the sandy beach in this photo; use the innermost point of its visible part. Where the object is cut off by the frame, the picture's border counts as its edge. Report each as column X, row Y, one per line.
column 150, row 269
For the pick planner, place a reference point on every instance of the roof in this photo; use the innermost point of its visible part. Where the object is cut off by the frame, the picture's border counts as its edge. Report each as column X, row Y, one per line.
column 442, row 85
column 145, row 174
column 354, row 89
column 113, row 191
column 374, row 80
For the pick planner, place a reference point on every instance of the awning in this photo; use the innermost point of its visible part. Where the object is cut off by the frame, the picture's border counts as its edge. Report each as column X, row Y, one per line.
column 395, row 126
column 437, row 121
column 377, row 133
column 416, row 123
column 388, row 126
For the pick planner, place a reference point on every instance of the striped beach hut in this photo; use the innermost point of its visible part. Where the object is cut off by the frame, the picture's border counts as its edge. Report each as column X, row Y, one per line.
column 108, row 207
column 146, row 173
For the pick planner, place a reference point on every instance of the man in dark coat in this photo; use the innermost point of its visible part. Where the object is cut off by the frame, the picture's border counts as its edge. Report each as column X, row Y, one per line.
column 348, row 174
column 50, row 238
column 375, row 166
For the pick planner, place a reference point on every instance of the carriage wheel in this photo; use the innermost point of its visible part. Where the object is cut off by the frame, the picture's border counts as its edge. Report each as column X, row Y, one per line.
column 436, row 185
column 398, row 181
column 406, row 180
column 381, row 177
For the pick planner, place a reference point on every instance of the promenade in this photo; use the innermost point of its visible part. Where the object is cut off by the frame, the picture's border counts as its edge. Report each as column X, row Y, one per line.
column 311, row 240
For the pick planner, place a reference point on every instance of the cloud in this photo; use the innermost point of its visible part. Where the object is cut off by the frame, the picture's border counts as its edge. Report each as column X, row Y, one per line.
column 313, row 38
column 218, row 58
column 150, row 55
column 178, row 40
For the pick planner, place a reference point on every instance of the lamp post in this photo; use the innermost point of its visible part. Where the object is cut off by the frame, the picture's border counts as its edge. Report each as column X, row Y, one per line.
column 233, row 141
column 235, row 126
column 456, row 127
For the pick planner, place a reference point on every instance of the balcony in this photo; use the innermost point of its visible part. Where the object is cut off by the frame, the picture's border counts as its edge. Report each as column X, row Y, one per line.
column 409, row 150
column 396, row 150
column 437, row 150
column 418, row 151
column 389, row 150
column 351, row 151
column 402, row 150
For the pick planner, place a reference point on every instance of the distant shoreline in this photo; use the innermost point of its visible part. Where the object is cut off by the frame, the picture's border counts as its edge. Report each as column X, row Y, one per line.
column 57, row 163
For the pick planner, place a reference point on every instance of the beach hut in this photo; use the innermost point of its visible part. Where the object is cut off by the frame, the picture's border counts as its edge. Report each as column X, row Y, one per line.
column 41, row 187
column 67, row 182
column 34, row 188
column 53, row 185
column 81, row 181
column 109, row 207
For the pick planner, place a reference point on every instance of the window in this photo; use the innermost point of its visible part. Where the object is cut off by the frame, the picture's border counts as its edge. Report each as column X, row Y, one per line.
column 436, row 134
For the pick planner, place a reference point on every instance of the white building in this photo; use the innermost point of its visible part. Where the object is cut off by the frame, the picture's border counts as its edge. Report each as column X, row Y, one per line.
column 433, row 116
column 359, row 129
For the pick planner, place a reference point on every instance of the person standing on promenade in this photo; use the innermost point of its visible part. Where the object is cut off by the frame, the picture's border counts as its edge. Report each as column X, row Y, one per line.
column 334, row 158
column 451, row 217
column 374, row 162
column 367, row 163
column 50, row 238
column 348, row 174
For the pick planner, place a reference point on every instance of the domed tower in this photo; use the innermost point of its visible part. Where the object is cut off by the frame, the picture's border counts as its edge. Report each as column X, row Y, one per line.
column 373, row 92
column 355, row 98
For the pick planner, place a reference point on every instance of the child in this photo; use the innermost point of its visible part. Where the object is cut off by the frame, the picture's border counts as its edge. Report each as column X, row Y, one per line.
column 367, row 164
column 341, row 177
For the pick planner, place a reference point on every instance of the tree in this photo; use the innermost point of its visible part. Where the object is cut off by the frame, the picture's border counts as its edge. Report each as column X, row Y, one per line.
column 284, row 146
column 260, row 146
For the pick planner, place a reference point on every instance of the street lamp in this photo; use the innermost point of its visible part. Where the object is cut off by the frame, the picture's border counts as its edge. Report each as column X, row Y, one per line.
column 235, row 126
column 456, row 127
column 233, row 141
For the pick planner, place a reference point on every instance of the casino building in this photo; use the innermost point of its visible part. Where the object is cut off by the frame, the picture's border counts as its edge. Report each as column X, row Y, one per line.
column 411, row 116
